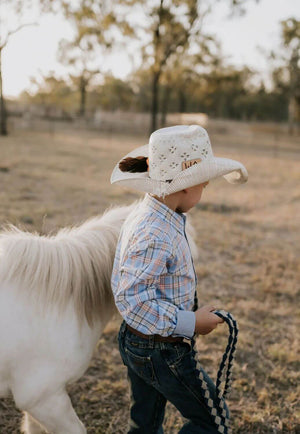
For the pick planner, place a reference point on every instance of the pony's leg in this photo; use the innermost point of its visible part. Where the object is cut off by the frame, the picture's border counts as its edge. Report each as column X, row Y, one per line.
column 56, row 414
column 30, row 425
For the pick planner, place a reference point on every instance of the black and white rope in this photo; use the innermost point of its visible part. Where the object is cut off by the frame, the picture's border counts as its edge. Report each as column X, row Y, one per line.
column 217, row 407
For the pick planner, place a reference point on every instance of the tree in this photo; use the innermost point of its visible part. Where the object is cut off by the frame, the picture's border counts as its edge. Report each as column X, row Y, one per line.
column 75, row 54
column 17, row 6
column 96, row 29
column 184, row 71
column 113, row 94
column 51, row 93
column 167, row 29
column 290, row 33
column 90, row 22
column 286, row 70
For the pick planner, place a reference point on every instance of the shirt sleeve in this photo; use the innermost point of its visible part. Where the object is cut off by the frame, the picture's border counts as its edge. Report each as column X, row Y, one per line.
column 136, row 294
column 186, row 322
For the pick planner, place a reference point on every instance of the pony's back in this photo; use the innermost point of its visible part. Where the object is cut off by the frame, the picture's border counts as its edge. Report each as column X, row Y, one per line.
column 55, row 300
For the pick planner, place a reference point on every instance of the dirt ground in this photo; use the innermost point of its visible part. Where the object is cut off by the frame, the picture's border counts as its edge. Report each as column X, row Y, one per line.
column 248, row 239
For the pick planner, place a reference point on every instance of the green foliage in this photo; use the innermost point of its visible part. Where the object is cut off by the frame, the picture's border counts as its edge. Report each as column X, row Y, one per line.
column 291, row 31
column 52, row 93
column 226, row 94
column 113, row 94
column 96, row 26
column 182, row 67
column 288, row 75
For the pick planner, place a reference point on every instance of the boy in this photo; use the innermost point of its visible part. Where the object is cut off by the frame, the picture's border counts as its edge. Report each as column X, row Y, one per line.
column 154, row 280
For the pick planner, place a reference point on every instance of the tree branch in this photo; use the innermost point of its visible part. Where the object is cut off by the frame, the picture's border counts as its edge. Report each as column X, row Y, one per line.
column 12, row 32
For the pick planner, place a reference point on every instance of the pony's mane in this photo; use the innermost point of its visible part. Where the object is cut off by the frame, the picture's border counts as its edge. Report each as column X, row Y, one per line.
column 75, row 264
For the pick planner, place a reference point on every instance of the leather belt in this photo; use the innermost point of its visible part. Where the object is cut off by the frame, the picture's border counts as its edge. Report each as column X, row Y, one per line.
column 157, row 338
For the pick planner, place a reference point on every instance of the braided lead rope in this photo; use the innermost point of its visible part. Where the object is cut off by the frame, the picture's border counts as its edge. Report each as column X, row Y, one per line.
column 231, row 356
column 225, row 369
column 217, row 409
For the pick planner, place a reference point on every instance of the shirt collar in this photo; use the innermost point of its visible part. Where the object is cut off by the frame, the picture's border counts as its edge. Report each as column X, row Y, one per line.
column 174, row 218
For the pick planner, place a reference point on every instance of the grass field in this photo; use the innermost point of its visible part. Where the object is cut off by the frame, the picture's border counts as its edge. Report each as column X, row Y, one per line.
column 248, row 239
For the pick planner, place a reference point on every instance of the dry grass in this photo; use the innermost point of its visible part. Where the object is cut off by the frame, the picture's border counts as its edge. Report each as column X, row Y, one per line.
column 248, row 237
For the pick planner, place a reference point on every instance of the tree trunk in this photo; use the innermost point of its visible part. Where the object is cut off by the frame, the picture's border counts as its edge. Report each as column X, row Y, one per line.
column 291, row 115
column 82, row 96
column 294, row 78
column 221, row 106
column 3, row 123
column 182, row 101
column 165, row 105
column 154, row 108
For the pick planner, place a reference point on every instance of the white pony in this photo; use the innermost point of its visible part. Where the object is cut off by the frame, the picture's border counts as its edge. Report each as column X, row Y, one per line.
column 55, row 300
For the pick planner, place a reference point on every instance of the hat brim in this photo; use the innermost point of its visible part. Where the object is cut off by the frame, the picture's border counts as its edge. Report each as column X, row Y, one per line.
column 233, row 171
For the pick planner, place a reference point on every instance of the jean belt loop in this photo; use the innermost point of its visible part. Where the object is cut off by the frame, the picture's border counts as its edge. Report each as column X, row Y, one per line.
column 163, row 345
column 151, row 341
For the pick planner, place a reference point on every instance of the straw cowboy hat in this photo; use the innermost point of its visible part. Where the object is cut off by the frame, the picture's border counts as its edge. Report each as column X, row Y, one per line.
column 178, row 157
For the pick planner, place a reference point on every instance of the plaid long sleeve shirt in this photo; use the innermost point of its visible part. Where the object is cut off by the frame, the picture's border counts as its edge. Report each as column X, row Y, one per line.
column 153, row 278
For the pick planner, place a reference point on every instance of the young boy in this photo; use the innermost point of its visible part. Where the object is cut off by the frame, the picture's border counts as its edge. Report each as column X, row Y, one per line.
column 154, row 280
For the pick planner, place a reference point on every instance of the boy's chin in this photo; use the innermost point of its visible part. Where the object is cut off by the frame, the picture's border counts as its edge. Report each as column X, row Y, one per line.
column 181, row 210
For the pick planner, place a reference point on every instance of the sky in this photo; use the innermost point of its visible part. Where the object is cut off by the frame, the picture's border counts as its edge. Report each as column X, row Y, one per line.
column 32, row 52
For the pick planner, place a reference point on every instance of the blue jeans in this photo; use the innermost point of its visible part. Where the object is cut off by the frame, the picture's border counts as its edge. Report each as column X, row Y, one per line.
column 161, row 371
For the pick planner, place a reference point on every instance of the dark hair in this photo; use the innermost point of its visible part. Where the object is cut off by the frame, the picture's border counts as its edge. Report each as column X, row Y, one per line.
column 137, row 164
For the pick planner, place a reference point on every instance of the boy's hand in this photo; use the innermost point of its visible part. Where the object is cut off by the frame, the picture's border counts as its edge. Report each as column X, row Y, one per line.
column 206, row 320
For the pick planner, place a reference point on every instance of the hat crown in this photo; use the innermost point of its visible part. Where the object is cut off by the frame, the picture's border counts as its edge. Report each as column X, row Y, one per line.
column 174, row 149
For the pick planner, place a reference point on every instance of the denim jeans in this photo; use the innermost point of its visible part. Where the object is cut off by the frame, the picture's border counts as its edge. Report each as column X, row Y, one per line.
column 161, row 371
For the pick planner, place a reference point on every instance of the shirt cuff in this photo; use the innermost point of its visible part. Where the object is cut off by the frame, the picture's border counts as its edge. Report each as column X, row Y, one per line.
column 185, row 326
